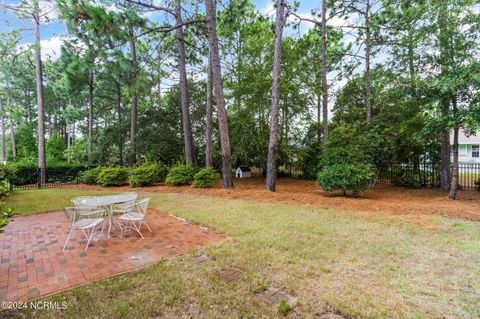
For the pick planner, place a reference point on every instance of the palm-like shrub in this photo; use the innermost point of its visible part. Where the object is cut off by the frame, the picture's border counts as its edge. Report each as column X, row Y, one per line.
column 345, row 166
column 206, row 178
column 148, row 175
column 90, row 176
column 112, row 176
column 180, row 174
column 353, row 178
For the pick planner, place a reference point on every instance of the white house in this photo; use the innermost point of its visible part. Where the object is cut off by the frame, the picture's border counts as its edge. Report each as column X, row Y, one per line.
column 243, row 171
column 468, row 147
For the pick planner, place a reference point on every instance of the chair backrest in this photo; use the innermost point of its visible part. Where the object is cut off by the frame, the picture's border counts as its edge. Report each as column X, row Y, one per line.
column 131, row 194
column 76, row 213
column 142, row 205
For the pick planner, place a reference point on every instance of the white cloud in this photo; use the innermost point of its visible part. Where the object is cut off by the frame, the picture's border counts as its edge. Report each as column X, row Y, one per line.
column 268, row 10
column 51, row 48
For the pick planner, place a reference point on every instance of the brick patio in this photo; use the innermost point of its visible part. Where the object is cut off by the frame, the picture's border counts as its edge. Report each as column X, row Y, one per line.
column 32, row 263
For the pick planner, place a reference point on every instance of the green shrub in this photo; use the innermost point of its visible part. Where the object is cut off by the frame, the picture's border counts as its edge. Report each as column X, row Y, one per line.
column 345, row 164
column 112, row 176
column 205, row 178
column 350, row 178
column 148, row 175
column 180, row 175
column 90, row 176
column 22, row 173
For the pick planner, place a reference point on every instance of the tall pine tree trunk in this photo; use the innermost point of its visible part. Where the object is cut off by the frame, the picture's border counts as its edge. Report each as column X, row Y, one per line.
column 119, row 121
column 324, row 61
column 134, row 110
column 40, row 100
column 12, row 125
column 277, row 62
column 182, row 68
column 2, row 123
column 445, row 104
column 219, row 97
column 454, row 182
column 368, row 84
column 209, row 124
column 90, row 116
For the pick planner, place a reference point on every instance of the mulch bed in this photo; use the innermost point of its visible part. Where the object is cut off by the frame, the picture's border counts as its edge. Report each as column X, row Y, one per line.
column 416, row 204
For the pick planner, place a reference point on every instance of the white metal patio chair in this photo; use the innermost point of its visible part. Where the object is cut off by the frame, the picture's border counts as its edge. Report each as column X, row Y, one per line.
column 126, row 207
column 85, row 219
column 135, row 218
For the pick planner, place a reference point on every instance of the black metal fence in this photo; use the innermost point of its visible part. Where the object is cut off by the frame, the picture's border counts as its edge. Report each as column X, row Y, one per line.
column 427, row 175
column 289, row 171
column 30, row 177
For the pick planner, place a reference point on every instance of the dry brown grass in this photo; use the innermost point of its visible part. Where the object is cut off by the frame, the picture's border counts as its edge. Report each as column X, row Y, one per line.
column 358, row 266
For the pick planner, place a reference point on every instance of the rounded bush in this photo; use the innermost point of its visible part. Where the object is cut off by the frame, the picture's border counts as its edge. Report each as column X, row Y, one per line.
column 112, row 176
column 348, row 177
column 89, row 176
column 206, row 178
column 148, row 175
column 180, row 175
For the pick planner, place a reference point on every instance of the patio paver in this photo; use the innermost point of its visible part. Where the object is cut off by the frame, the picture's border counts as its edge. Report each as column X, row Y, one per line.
column 33, row 264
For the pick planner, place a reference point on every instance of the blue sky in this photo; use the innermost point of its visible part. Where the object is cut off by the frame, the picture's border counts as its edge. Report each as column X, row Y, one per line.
column 53, row 32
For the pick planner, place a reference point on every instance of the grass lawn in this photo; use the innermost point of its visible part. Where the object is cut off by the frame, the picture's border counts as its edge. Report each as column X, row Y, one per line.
column 330, row 260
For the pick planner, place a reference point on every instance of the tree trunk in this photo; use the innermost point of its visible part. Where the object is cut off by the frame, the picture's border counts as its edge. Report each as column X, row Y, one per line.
column 319, row 116
column 220, row 100
column 119, row 121
column 187, row 132
column 277, row 62
column 411, row 64
column 40, row 101
column 90, row 116
column 454, row 183
column 73, row 133
column 324, row 71
column 2, row 123
column 12, row 138
column 12, row 127
column 209, row 124
column 445, row 105
column 368, row 84
column 134, row 110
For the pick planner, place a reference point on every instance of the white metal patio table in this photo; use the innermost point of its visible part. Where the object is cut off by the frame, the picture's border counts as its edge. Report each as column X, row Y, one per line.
column 107, row 201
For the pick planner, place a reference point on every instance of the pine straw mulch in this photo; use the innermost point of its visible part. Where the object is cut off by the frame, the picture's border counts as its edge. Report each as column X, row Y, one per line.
column 415, row 205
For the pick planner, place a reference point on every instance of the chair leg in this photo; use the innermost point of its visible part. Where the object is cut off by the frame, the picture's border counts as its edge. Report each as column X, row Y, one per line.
column 120, row 224
column 137, row 229
column 145, row 223
column 68, row 238
column 89, row 238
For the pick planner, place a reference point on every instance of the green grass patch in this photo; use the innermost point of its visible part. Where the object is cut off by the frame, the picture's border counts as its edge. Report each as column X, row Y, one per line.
column 329, row 259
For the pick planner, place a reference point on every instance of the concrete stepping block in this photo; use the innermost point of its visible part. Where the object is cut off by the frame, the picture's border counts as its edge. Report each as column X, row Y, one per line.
column 230, row 274
column 330, row 315
column 199, row 259
column 273, row 296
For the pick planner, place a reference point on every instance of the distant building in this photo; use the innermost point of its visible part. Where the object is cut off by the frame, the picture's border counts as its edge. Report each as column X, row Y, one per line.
column 468, row 147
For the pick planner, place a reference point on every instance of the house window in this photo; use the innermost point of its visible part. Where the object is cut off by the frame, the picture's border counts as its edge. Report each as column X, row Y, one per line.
column 475, row 150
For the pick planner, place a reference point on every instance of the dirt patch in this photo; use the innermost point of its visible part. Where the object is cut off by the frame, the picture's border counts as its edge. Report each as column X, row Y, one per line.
column 417, row 205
